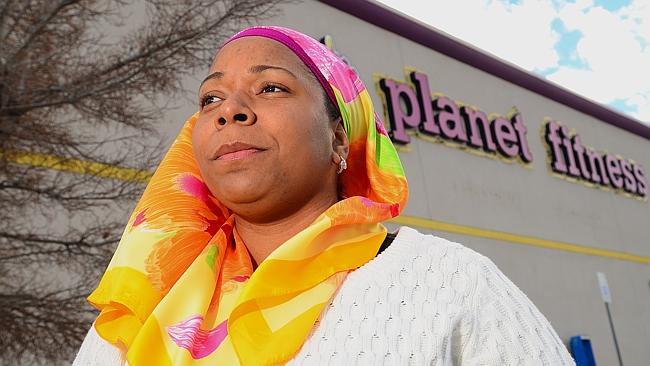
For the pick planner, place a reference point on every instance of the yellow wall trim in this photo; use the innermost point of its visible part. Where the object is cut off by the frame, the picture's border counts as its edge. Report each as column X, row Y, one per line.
column 517, row 239
column 143, row 176
column 76, row 166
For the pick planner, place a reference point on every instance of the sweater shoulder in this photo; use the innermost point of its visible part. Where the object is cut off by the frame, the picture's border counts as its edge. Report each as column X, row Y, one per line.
column 414, row 259
column 498, row 318
column 410, row 245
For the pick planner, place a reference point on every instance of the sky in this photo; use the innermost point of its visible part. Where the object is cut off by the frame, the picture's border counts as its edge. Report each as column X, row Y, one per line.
column 597, row 48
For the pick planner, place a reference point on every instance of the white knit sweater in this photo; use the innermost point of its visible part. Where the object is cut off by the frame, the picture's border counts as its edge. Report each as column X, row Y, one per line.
column 423, row 301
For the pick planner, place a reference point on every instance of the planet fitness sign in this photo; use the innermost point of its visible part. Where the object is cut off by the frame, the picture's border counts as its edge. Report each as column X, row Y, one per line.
column 570, row 158
column 409, row 105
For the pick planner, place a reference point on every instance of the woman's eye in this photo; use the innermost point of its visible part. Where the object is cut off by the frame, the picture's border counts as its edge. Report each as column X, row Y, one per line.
column 272, row 89
column 209, row 99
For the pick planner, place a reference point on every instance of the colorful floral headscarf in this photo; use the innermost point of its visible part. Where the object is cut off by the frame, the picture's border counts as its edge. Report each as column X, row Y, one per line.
column 181, row 288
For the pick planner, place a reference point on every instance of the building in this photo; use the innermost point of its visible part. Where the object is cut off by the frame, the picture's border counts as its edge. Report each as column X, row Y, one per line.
column 549, row 185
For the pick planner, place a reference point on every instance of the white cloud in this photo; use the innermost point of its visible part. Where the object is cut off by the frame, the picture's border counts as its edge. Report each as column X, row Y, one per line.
column 642, row 103
column 614, row 45
column 638, row 13
column 503, row 29
column 611, row 47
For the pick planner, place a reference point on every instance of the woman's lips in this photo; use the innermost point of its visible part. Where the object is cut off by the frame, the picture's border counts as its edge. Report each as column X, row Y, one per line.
column 240, row 154
column 235, row 150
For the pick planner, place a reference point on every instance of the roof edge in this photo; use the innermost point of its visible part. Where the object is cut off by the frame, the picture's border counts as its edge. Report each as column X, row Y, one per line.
column 389, row 19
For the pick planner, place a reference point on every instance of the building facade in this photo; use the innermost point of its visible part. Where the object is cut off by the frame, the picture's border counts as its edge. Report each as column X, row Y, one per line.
column 551, row 186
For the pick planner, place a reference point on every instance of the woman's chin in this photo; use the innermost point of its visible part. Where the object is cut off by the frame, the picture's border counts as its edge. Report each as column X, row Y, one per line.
column 242, row 193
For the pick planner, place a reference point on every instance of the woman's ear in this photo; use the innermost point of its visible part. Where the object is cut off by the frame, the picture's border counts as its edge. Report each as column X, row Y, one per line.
column 341, row 144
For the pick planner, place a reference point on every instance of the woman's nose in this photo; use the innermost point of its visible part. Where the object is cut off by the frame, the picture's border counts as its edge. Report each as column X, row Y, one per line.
column 235, row 110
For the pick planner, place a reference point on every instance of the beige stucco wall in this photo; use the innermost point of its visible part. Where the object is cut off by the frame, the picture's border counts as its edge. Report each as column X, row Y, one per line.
column 452, row 185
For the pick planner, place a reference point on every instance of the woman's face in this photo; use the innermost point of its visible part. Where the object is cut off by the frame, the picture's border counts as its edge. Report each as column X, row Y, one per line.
column 263, row 141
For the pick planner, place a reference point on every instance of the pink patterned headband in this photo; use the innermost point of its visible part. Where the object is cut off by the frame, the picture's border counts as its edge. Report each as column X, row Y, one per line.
column 276, row 35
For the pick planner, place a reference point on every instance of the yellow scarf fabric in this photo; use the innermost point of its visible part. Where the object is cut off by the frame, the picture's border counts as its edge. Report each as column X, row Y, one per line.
column 181, row 289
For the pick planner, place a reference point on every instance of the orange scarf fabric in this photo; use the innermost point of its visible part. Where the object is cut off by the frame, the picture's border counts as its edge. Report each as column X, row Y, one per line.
column 181, row 289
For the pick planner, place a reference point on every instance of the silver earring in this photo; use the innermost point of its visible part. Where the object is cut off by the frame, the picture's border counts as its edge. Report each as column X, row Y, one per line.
column 342, row 165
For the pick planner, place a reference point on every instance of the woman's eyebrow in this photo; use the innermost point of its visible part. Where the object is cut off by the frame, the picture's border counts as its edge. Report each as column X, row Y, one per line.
column 214, row 75
column 255, row 69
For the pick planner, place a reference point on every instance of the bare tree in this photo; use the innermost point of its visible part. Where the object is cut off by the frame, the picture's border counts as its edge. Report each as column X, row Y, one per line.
column 81, row 89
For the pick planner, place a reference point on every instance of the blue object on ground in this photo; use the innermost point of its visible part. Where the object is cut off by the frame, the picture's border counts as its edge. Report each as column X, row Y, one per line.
column 581, row 351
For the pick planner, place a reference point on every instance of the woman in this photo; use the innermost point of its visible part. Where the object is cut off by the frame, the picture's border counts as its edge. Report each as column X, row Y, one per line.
column 258, row 239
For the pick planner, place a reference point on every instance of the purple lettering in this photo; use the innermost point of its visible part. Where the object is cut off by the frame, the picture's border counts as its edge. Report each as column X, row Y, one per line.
column 642, row 183
column 448, row 118
column 628, row 174
column 524, row 151
column 570, row 157
column 614, row 171
column 410, row 106
column 399, row 119
column 568, row 153
column 554, row 139
column 598, row 172
column 580, row 154
column 421, row 82
column 505, row 136
column 478, row 133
